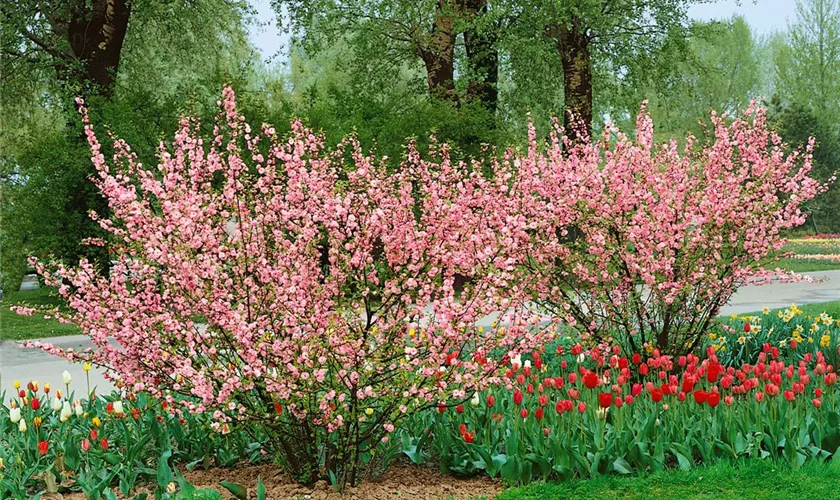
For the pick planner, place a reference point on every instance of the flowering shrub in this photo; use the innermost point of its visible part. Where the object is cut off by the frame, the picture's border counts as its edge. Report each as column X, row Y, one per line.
column 661, row 238
column 267, row 280
column 598, row 413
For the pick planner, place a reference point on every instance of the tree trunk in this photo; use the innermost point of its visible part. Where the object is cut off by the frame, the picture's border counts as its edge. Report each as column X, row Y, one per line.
column 572, row 44
column 482, row 59
column 95, row 33
column 439, row 54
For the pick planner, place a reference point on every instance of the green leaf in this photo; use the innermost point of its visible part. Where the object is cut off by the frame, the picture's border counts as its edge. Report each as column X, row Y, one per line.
column 685, row 463
column 260, row 489
column 141, row 496
column 621, row 466
column 740, row 444
column 236, row 490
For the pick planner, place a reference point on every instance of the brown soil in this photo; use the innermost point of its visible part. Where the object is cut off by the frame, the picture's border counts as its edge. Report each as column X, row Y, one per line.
column 401, row 481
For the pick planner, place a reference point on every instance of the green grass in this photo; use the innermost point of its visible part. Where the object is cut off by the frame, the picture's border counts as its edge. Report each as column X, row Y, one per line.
column 805, row 265
column 751, row 479
column 16, row 327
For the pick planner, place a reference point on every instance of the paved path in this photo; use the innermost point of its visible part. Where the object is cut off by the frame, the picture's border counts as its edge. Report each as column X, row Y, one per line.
column 25, row 364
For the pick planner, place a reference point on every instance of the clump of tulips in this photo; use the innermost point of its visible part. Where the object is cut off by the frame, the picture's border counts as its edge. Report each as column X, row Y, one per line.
column 53, row 441
column 591, row 412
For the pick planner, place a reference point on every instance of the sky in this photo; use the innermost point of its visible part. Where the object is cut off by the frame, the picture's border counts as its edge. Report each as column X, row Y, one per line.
column 764, row 16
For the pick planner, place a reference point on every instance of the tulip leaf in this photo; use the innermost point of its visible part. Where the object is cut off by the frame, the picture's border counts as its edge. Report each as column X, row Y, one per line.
column 740, row 444
column 685, row 463
column 236, row 490
column 621, row 466
column 260, row 489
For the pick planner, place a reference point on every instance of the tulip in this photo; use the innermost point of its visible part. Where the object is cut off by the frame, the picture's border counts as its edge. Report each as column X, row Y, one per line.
column 523, row 413
column 22, row 425
column 459, row 409
column 790, row 396
column 817, row 403
column 16, row 384
column 56, row 404
column 469, row 437
column 86, row 366
column 14, row 414
column 94, row 434
column 581, row 407
column 491, row 400
column 37, row 422
column 546, row 431
column 85, row 444
column 713, row 399
column 66, row 412
column 46, row 387
column 605, row 399
column 656, row 395
column 43, row 447
column 96, row 422
column 104, row 443
column 66, row 377
column 517, row 397
column 77, row 406
column 118, row 408
column 36, row 404
column 538, row 414
column 475, row 401
column 700, row 396
column 590, row 380
column 759, row 396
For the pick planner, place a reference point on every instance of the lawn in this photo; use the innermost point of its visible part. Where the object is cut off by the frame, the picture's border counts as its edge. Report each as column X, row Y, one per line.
column 814, row 254
column 16, row 327
column 753, row 479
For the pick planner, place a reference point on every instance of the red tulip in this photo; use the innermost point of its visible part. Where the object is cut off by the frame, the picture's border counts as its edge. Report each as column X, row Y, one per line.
column 441, row 408
column 713, row 399
column 36, row 404
column 517, row 397
column 643, row 369
column 637, row 359
column 543, row 400
column 605, row 399
column 469, row 437
column 656, row 395
column 629, row 399
column 538, row 414
column 817, row 402
column 490, row 400
column 790, row 396
column 85, row 444
column 728, row 400
column 759, row 396
column 581, row 407
column 459, row 409
column 546, row 431
column 700, row 396
column 681, row 396
column 590, row 380
column 523, row 413
column 104, row 443
column 43, row 447
column 747, row 327
column 818, row 392
column 462, row 428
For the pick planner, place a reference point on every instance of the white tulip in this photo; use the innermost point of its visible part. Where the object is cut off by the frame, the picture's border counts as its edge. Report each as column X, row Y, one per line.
column 79, row 410
column 14, row 415
column 67, row 377
column 475, row 401
column 118, row 408
column 22, row 426
column 66, row 412
column 516, row 360
column 528, row 364
column 56, row 405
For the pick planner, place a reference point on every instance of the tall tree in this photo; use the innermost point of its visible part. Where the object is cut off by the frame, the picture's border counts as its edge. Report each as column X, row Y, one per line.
column 590, row 33
column 808, row 67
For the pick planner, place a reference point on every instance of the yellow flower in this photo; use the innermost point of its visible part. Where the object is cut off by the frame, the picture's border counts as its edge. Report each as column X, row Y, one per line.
column 17, row 384
column 825, row 341
column 712, row 336
column 765, row 310
column 96, row 422
column 810, row 340
column 742, row 339
column 733, row 316
column 1, row 463
column 369, row 411
column 411, row 332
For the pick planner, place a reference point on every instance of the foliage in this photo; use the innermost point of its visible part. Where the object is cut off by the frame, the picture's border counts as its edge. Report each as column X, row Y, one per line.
column 660, row 239
column 312, row 291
